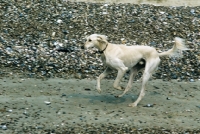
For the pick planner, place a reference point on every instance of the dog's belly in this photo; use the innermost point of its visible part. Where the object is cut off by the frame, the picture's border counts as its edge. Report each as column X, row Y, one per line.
column 131, row 60
column 123, row 61
column 132, row 63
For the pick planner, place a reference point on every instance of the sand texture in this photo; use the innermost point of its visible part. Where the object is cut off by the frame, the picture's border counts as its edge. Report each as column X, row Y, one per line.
column 62, row 106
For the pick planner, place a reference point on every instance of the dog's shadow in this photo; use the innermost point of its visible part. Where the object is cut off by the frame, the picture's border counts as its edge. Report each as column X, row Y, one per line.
column 104, row 98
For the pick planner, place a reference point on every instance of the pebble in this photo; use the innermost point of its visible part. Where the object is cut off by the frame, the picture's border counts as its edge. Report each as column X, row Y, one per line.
column 192, row 80
column 198, row 106
column 47, row 102
column 10, row 110
column 168, row 98
column 4, row 127
column 87, row 89
column 149, row 105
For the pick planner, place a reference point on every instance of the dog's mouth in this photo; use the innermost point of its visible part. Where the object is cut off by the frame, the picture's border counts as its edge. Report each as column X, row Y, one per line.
column 84, row 47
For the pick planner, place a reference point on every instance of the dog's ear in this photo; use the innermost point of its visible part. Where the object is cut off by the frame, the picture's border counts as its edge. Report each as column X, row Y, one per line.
column 102, row 38
column 99, row 38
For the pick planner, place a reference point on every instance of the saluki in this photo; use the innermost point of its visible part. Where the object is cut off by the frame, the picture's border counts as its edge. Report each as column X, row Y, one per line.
column 135, row 58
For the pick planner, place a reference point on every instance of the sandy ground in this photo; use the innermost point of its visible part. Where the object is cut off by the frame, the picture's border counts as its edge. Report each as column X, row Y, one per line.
column 154, row 2
column 58, row 104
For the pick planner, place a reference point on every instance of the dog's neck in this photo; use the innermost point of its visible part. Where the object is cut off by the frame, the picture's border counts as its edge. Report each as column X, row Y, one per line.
column 101, row 51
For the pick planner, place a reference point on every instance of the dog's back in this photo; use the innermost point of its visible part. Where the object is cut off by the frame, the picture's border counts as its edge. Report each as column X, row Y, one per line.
column 141, row 51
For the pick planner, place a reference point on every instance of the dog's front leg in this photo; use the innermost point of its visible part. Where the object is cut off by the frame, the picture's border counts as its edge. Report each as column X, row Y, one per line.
column 101, row 76
column 120, row 74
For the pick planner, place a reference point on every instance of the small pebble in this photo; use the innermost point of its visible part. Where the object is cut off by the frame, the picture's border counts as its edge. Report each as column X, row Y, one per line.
column 47, row 102
column 4, row 127
column 10, row 110
column 87, row 89
column 168, row 98
column 148, row 105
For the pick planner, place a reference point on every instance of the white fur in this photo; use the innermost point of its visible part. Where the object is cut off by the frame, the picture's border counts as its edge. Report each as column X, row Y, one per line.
column 123, row 58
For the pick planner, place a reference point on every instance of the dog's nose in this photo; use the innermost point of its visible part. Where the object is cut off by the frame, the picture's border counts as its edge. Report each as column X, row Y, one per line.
column 82, row 47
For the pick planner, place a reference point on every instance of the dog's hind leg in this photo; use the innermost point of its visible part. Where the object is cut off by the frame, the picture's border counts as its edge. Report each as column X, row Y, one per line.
column 150, row 67
column 133, row 73
column 101, row 76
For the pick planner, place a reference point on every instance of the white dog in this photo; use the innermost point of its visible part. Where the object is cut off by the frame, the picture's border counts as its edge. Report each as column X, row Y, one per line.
column 123, row 57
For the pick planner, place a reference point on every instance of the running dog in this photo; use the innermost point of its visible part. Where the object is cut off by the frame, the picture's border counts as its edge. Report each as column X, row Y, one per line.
column 135, row 58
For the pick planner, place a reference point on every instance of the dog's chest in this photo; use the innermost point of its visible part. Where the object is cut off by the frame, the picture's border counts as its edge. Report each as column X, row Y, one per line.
column 110, row 61
column 103, row 58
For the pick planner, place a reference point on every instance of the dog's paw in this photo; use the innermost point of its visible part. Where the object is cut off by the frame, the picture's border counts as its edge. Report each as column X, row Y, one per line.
column 122, row 88
column 132, row 105
column 119, row 88
column 116, row 96
column 99, row 90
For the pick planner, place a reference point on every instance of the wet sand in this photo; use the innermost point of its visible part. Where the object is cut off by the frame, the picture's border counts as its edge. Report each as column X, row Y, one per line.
column 61, row 105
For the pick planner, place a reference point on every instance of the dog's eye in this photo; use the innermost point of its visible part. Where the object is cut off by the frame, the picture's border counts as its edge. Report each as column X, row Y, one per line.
column 89, row 40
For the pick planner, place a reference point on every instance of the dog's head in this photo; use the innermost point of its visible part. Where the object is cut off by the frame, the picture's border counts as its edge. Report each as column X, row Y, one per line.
column 95, row 40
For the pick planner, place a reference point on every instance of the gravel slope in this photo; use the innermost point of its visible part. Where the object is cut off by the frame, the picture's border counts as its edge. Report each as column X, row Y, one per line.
column 154, row 2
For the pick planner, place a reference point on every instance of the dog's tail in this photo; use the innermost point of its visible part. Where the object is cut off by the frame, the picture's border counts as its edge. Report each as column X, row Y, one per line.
column 178, row 47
